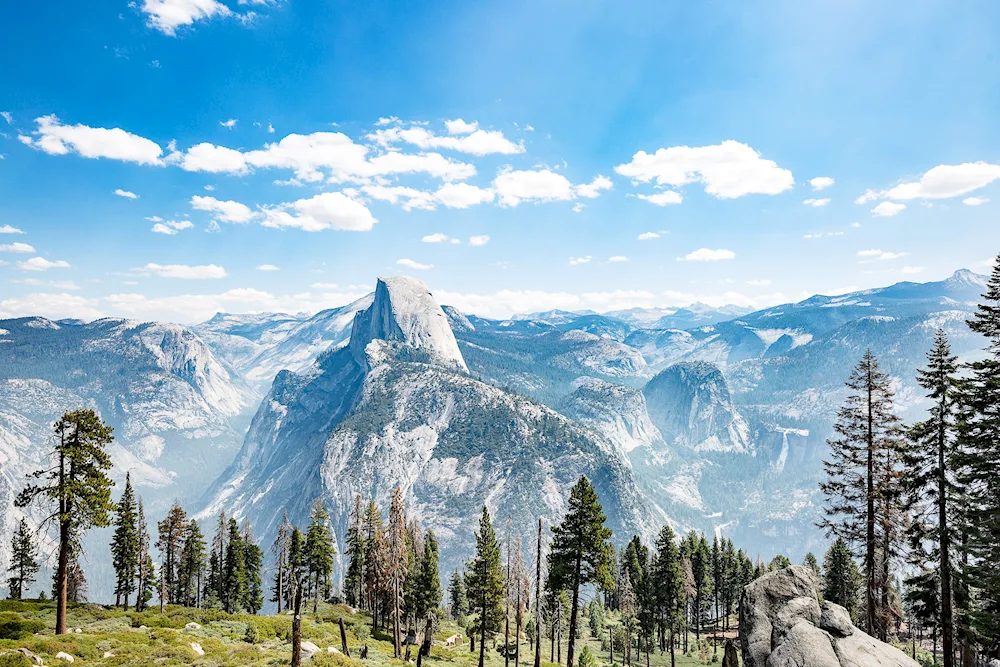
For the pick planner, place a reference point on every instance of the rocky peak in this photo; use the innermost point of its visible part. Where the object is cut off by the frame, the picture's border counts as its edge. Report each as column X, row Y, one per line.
column 404, row 311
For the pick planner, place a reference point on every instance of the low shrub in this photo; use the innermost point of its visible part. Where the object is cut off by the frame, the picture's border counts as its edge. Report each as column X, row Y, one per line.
column 13, row 626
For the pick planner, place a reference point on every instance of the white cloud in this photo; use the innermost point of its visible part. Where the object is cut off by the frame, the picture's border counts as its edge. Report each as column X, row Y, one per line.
column 53, row 306
column 171, row 227
column 762, row 282
column 41, row 264
column 868, row 196
column 267, row 267
column 270, row 128
column 184, row 272
column 168, row 15
column 480, row 240
column 579, row 206
column 16, row 247
column 878, row 255
column 477, row 142
column 576, row 261
column 593, row 189
column 708, row 255
column 975, row 201
column 946, row 180
column 821, row 183
column 329, row 210
column 816, row 202
column 727, row 170
column 54, row 138
column 126, row 194
column 663, row 198
column 463, row 195
column 155, row 218
column 408, row 198
column 912, row 269
column 7, row 116
column 411, row 264
column 513, row 187
column 887, row 209
column 820, row 235
column 7, row 229
column 439, row 238
column 226, row 211
column 618, row 258
column 228, row 124
column 459, row 126
column 55, row 284
column 855, row 225
column 648, row 236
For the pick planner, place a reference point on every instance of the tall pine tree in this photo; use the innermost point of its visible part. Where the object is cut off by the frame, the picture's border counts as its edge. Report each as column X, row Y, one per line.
column 170, row 541
column 125, row 544
column 23, row 561
column 485, row 584
column 319, row 550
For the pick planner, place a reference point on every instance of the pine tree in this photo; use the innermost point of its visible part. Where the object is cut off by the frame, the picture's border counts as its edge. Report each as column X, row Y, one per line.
column 170, row 541
column 396, row 563
column 319, row 549
column 701, row 564
column 191, row 565
column 841, row 579
column 354, row 580
column 978, row 460
column 580, row 548
column 78, row 485
column 144, row 572
column 932, row 497
column 457, row 602
column 279, row 551
column 627, row 607
column 149, row 583
column 125, row 544
column 429, row 580
column 668, row 578
column 23, row 561
column 862, row 485
column 485, row 584
column 235, row 581
column 253, row 558
column 811, row 562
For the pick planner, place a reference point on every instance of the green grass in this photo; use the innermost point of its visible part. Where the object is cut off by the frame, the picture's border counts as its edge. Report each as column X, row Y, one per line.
column 152, row 638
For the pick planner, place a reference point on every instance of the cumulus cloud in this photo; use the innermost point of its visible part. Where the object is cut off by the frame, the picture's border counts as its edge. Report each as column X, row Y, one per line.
column 183, row 271
column 648, row 236
column 459, row 126
column 439, row 238
column 975, row 201
column 463, row 195
column 887, row 209
column 171, row 227
column 7, row 229
column 727, row 170
column 54, row 138
column 576, row 261
column 329, row 210
column 226, row 211
column 267, row 267
column 7, row 116
column 53, row 306
column 228, row 124
column 475, row 142
column 593, row 189
column 816, row 202
column 126, row 194
column 411, row 264
column 54, row 284
column 663, row 198
column 16, row 247
column 821, row 183
column 169, row 15
column 41, row 264
column 516, row 186
column 617, row 258
column 708, row 255
column 408, row 198
column 946, row 180
column 480, row 240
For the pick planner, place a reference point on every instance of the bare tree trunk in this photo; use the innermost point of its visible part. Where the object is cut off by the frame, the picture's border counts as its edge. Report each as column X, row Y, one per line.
column 343, row 637
column 297, row 628
column 538, row 598
column 62, row 573
column 574, row 609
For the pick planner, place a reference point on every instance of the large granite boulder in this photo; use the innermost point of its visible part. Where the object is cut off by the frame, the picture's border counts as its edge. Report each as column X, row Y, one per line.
column 784, row 624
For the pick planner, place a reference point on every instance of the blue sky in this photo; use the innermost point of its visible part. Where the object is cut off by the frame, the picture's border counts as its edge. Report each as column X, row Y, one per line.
column 610, row 154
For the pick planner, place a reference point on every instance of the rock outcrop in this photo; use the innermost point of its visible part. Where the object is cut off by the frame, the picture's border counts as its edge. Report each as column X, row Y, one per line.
column 784, row 624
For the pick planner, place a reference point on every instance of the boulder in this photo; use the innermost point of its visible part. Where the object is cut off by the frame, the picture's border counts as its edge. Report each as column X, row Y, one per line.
column 196, row 647
column 37, row 659
column 308, row 649
column 64, row 656
column 108, row 654
column 191, row 627
column 783, row 624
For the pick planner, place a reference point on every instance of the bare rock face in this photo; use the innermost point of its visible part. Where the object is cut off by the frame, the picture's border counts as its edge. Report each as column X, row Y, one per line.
column 783, row 624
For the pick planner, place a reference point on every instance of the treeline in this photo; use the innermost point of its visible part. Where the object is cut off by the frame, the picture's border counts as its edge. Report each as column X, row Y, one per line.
column 920, row 502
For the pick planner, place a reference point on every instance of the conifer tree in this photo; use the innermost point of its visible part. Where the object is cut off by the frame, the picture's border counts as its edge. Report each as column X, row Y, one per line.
column 862, row 485
column 396, row 563
column 811, row 562
column 236, row 583
column 580, row 552
column 485, row 584
column 457, row 602
column 145, row 574
column 319, row 550
column 279, row 551
column 429, row 580
column 125, row 544
column 23, row 561
column 933, row 497
column 627, row 607
column 668, row 579
column 354, row 579
column 170, row 541
column 978, row 463
column 253, row 558
column 79, row 487
column 841, row 579
column 191, row 565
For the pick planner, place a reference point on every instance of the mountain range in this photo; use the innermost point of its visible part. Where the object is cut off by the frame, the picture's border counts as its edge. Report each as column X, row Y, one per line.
column 714, row 419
